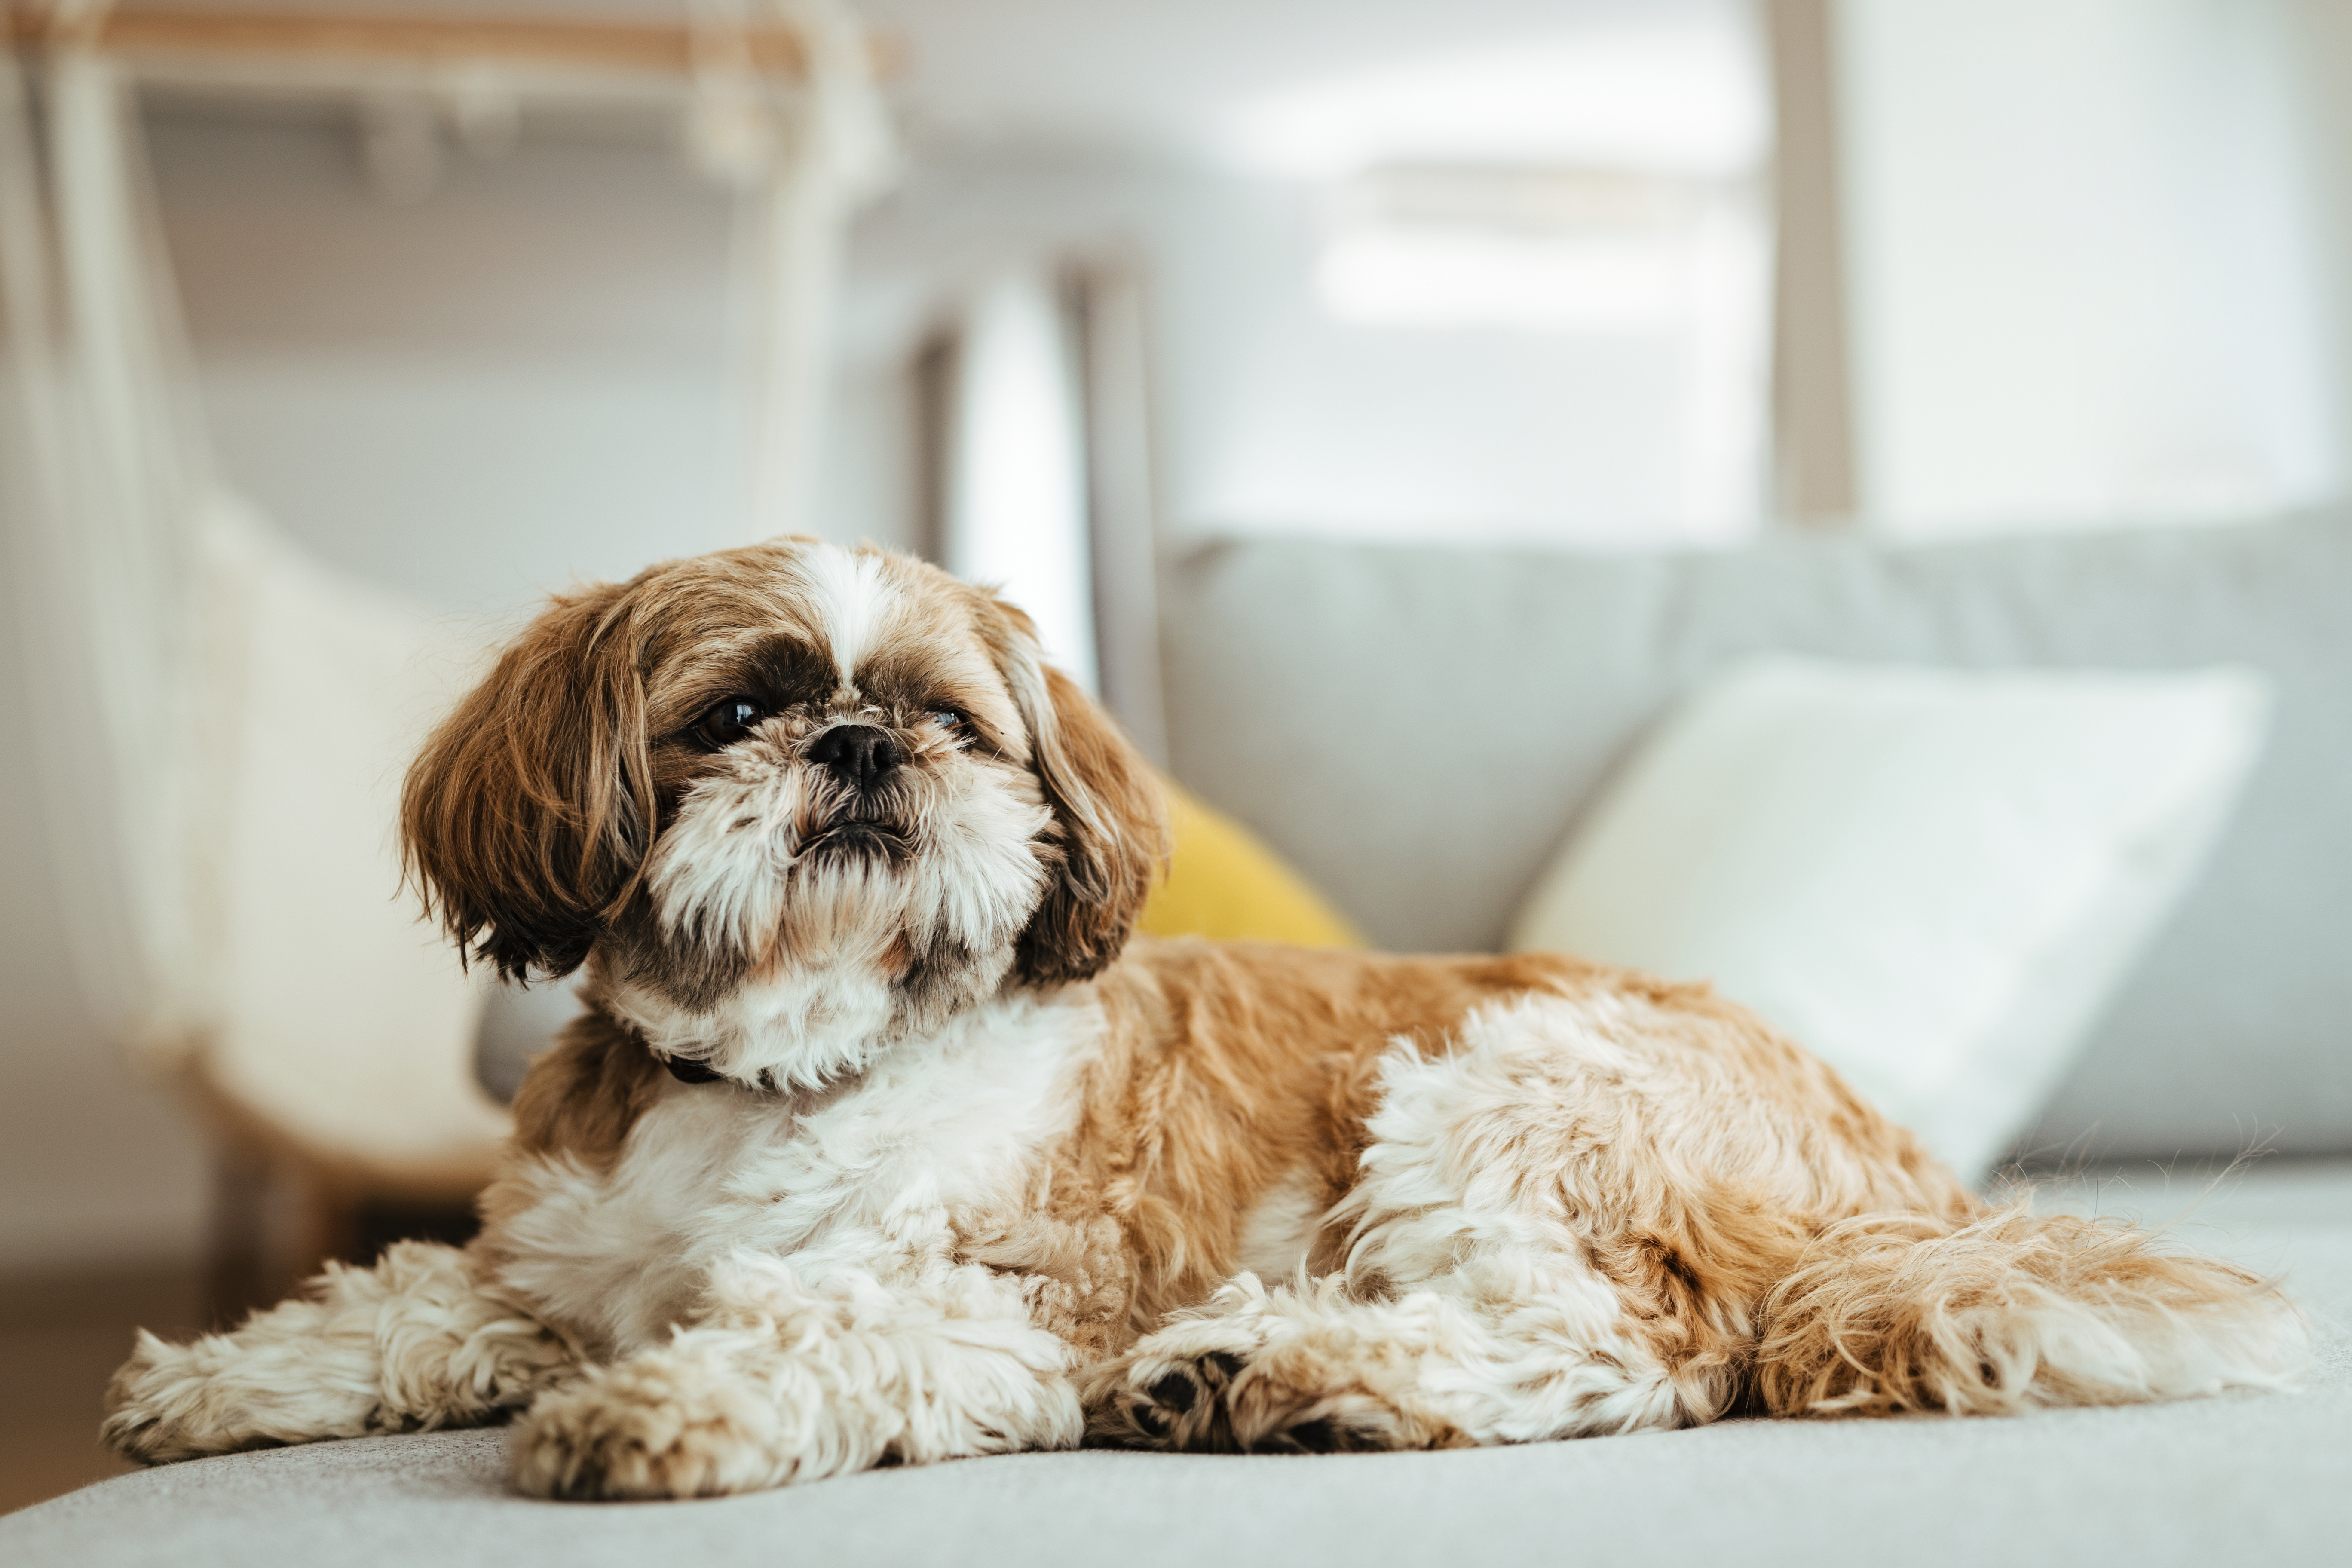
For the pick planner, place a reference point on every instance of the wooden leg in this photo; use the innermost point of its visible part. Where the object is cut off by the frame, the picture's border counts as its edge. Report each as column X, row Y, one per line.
column 329, row 1227
column 275, row 1219
column 237, row 1272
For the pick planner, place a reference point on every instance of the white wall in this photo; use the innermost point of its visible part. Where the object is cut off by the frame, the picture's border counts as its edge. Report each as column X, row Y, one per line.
column 2083, row 241
column 1284, row 417
column 520, row 378
column 1274, row 414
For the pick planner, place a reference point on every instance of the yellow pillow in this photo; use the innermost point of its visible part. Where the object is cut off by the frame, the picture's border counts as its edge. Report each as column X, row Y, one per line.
column 1222, row 883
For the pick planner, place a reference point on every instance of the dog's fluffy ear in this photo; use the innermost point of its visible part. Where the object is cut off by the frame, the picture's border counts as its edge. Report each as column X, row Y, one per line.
column 526, row 819
column 1110, row 818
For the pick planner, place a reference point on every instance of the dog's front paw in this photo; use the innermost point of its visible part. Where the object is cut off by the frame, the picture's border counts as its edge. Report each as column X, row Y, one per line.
column 183, row 1402
column 160, row 1407
column 662, row 1425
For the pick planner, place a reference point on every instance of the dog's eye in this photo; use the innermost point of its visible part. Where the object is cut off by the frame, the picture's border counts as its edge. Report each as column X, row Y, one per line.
column 946, row 720
column 727, row 721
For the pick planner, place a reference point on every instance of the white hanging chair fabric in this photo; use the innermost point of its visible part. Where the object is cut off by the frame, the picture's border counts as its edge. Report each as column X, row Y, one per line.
column 100, row 464
column 221, row 720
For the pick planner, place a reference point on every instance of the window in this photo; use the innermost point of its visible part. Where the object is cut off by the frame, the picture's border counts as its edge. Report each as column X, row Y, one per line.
column 1513, row 291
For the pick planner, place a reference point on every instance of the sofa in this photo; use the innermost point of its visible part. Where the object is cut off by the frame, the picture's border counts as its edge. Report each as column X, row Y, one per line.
column 1415, row 730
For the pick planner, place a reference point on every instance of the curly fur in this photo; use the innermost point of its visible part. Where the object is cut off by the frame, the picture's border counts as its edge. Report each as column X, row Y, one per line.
column 412, row 1343
column 1890, row 1314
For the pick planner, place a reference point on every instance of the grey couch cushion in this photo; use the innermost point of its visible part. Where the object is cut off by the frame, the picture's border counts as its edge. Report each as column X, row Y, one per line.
column 2257, row 1479
column 1418, row 728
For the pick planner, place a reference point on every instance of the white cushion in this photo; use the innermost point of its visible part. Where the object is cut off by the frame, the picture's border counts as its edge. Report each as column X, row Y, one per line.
column 1933, row 878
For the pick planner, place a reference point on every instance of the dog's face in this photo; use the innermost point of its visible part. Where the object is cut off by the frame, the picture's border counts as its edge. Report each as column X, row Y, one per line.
column 787, row 801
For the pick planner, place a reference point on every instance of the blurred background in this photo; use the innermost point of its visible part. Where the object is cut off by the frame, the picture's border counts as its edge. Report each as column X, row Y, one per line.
column 453, row 307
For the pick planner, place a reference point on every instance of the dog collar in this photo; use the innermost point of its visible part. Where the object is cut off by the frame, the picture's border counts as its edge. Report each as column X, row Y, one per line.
column 685, row 1070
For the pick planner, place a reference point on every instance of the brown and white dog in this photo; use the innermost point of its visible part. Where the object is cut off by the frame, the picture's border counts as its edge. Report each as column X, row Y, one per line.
column 881, row 1141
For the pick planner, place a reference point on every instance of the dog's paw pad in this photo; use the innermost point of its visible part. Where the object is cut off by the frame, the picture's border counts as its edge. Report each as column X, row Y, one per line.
column 1323, row 1434
column 1270, row 1398
column 1178, row 1402
column 1175, row 1392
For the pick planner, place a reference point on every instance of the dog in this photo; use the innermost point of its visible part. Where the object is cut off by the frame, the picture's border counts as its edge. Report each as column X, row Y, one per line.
column 882, row 1139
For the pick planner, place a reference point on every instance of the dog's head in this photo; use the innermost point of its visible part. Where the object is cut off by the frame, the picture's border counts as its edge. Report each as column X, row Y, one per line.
column 786, row 801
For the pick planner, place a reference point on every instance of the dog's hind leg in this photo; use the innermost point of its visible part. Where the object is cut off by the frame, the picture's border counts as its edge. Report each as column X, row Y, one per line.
column 1461, row 1321
column 1503, row 1280
column 409, row 1344
column 1293, row 1370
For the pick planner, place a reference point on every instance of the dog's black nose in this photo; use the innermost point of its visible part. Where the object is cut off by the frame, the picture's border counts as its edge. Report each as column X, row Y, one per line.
column 859, row 754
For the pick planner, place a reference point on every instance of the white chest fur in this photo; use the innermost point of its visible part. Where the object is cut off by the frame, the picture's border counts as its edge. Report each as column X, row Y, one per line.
column 869, row 1175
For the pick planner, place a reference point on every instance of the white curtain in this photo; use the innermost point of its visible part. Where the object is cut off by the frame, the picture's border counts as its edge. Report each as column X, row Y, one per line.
column 1016, row 504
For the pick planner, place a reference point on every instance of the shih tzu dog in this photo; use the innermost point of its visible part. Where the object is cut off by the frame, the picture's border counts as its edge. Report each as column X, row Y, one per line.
column 880, row 1140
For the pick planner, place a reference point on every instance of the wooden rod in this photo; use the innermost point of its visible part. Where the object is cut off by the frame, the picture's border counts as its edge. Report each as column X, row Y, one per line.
column 1812, row 392
column 307, row 38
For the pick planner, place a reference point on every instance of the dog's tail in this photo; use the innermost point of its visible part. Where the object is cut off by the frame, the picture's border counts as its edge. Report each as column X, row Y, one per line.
column 1886, row 1313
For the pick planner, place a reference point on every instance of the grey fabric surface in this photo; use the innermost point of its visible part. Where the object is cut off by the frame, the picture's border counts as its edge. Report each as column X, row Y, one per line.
column 2248, row 1478
column 1417, row 729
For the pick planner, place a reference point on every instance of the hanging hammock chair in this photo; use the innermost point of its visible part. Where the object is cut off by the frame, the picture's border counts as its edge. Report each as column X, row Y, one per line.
column 224, row 720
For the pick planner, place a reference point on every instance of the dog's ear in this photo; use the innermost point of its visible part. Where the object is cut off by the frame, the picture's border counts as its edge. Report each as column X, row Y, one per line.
column 1110, row 818
column 525, row 821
